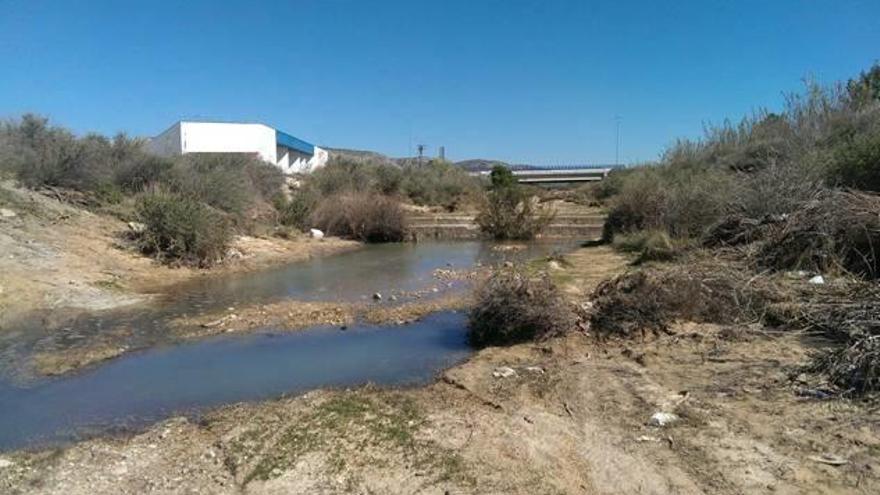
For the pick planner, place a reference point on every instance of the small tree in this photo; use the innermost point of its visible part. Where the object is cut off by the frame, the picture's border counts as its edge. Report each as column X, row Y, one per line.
column 509, row 212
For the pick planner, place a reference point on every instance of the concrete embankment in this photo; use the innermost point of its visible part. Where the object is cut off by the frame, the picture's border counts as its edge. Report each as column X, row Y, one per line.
column 571, row 220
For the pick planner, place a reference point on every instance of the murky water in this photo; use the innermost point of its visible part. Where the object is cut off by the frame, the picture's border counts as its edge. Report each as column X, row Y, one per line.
column 169, row 376
column 144, row 387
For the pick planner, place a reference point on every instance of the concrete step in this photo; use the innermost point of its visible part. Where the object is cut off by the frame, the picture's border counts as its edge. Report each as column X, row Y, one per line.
column 460, row 219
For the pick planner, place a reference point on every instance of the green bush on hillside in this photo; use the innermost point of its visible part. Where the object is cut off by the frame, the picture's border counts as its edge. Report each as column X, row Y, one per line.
column 296, row 210
column 180, row 229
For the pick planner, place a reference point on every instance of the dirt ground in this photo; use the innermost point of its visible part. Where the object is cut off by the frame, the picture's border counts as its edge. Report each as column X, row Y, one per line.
column 573, row 415
column 54, row 255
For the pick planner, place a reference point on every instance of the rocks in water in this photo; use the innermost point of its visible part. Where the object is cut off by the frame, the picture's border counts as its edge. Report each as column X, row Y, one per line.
column 377, row 296
column 316, row 234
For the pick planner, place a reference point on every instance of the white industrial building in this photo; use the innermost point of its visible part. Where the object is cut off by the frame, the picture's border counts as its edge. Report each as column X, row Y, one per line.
column 290, row 154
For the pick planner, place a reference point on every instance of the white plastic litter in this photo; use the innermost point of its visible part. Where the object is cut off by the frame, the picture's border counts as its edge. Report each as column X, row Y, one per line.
column 662, row 419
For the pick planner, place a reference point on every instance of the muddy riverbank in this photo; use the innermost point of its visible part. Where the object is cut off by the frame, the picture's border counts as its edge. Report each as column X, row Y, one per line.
column 60, row 258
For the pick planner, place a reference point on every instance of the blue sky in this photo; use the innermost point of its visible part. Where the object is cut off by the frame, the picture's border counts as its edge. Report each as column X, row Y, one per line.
column 524, row 81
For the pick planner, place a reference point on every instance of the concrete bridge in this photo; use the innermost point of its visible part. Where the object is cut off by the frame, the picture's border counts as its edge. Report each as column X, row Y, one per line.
column 558, row 175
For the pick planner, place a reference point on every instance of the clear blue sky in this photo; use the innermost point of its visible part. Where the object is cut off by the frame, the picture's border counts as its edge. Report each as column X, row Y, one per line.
column 524, row 81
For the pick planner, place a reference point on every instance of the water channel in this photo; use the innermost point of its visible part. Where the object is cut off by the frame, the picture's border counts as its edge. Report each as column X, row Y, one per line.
column 167, row 376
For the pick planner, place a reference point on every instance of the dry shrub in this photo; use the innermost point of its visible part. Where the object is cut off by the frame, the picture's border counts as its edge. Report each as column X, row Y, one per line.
column 837, row 230
column 737, row 230
column 648, row 300
column 854, row 368
column 848, row 312
column 840, row 310
column 364, row 216
column 512, row 307
column 683, row 201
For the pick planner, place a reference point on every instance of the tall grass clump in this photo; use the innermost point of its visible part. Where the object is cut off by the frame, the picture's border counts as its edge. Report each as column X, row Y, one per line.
column 179, row 229
column 509, row 212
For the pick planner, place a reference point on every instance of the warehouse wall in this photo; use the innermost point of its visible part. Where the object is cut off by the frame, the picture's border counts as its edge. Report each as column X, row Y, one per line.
column 211, row 137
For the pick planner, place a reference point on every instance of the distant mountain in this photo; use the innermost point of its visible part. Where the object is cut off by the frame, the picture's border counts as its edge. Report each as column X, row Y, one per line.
column 484, row 165
column 479, row 164
column 361, row 155
column 473, row 165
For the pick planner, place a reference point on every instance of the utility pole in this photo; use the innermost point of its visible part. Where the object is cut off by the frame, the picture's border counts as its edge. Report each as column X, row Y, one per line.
column 617, row 120
column 421, row 149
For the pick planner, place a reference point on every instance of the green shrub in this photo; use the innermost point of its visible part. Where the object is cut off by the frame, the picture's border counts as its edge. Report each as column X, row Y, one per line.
column 135, row 175
column 266, row 179
column 181, row 229
column 438, row 183
column 648, row 245
column 368, row 217
column 217, row 179
column 389, row 179
column 342, row 175
column 856, row 163
column 509, row 212
column 511, row 307
column 296, row 210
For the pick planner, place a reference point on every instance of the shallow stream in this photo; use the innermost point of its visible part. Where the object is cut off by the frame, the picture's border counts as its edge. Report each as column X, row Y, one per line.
column 168, row 376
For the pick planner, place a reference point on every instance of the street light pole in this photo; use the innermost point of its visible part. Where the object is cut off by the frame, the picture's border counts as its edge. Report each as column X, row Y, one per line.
column 617, row 141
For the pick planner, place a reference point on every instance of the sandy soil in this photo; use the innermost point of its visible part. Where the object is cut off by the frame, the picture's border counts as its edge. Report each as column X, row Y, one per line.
column 53, row 256
column 572, row 415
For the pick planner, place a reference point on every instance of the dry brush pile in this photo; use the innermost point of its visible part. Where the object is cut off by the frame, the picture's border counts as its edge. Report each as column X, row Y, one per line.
column 514, row 306
column 700, row 289
column 837, row 231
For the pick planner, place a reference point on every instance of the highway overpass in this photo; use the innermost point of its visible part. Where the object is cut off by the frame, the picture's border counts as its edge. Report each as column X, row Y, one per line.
column 557, row 175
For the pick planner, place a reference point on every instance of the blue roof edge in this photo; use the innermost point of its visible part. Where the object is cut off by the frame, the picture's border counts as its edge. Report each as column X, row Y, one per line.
column 295, row 143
